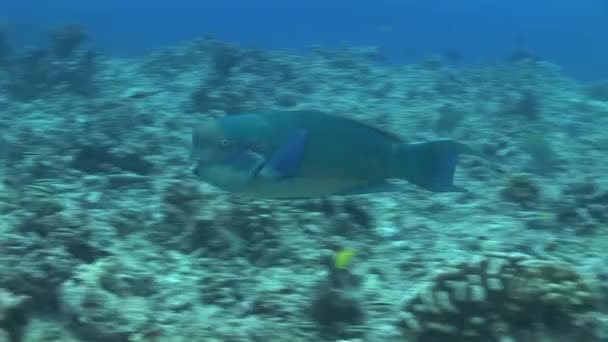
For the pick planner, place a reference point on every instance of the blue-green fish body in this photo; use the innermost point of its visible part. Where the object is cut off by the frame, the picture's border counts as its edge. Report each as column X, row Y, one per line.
column 311, row 154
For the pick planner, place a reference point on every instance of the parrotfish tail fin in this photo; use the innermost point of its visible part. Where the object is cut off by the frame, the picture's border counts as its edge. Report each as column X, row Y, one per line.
column 431, row 165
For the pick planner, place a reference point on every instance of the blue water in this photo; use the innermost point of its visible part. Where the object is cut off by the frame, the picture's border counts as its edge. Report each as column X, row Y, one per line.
column 573, row 34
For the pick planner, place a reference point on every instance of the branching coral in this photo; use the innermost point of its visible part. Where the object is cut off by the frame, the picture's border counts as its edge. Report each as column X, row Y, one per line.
column 504, row 297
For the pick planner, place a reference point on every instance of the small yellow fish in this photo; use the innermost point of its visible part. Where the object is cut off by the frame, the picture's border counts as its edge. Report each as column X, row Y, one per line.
column 342, row 258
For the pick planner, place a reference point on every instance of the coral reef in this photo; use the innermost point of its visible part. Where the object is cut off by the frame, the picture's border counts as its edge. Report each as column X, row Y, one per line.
column 543, row 158
column 231, row 226
column 239, row 80
column 47, row 241
column 582, row 207
column 107, row 236
column 449, row 119
column 504, row 298
column 36, row 73
column 102, row 305
column 103, row 159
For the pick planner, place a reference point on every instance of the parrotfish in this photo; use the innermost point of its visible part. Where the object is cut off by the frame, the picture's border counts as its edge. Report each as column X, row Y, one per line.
column 305, row 154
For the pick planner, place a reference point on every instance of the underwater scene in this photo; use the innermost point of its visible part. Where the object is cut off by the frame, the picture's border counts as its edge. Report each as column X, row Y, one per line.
column 267, row 171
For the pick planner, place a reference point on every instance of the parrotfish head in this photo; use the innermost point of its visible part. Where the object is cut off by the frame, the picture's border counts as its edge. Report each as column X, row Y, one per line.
column 209, row 143
column 225, row 140
column 225, row 150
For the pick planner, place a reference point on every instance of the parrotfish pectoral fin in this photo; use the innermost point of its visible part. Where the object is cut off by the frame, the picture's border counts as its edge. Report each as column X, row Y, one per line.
column 431, row 165
column 286, row 161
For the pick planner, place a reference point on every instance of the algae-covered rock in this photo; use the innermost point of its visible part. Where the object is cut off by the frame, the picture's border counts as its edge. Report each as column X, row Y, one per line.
column 521, row 189
column 45, row 329
column 598, row 90
column 102, row 305
column 504, row 297
column 14, row 310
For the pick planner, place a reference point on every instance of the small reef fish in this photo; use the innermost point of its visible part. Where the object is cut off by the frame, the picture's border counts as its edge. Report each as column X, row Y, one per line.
column 143, row 94
column 304, row 154
column 343, row 258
